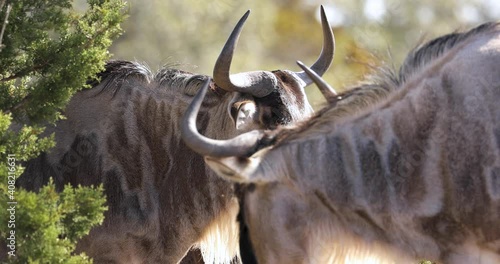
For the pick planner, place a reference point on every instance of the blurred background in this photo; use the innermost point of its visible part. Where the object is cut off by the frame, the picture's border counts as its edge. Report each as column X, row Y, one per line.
column 189, row 34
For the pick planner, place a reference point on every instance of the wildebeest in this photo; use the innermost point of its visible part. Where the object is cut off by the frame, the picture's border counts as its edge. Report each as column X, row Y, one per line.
column 124, row 133
column 413, row 175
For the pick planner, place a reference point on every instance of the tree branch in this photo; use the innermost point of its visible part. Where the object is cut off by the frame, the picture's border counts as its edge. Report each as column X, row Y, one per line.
column 5, row 22
column 24, row 72
column 19, row 105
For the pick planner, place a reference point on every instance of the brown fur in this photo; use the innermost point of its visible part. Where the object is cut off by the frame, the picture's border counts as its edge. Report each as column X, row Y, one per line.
column 409, row 173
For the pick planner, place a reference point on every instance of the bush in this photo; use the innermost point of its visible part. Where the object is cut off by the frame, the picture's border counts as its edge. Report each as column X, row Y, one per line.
column 48, row 51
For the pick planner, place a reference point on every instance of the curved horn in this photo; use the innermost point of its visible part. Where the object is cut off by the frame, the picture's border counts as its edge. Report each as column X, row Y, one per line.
column 238, row 146
column 328, row 92
column 258, row 84
column 326, row 56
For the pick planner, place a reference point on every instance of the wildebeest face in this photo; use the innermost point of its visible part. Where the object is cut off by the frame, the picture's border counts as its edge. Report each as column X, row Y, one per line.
column 286, row 104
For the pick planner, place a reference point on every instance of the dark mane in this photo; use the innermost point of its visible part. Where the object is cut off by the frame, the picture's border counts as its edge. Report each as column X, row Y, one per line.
column 425, row 53
column 118, row 72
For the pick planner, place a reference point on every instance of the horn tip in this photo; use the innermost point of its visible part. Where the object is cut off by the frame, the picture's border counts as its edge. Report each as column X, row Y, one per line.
column 243, row 19
column 304, row 67
column 324, row 18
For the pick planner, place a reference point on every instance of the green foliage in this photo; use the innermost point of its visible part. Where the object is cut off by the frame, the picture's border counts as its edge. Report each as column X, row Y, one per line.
column 49, row 224
column 83, row 208
column 48, row 52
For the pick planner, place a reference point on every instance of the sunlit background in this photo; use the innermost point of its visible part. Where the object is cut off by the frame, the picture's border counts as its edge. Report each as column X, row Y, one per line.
column 189, row 34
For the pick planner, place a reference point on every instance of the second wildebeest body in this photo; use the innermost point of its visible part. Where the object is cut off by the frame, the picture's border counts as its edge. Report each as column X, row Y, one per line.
column 413, row 176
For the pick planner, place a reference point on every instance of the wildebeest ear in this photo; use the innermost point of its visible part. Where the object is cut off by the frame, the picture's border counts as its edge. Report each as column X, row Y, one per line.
column 245, row 116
